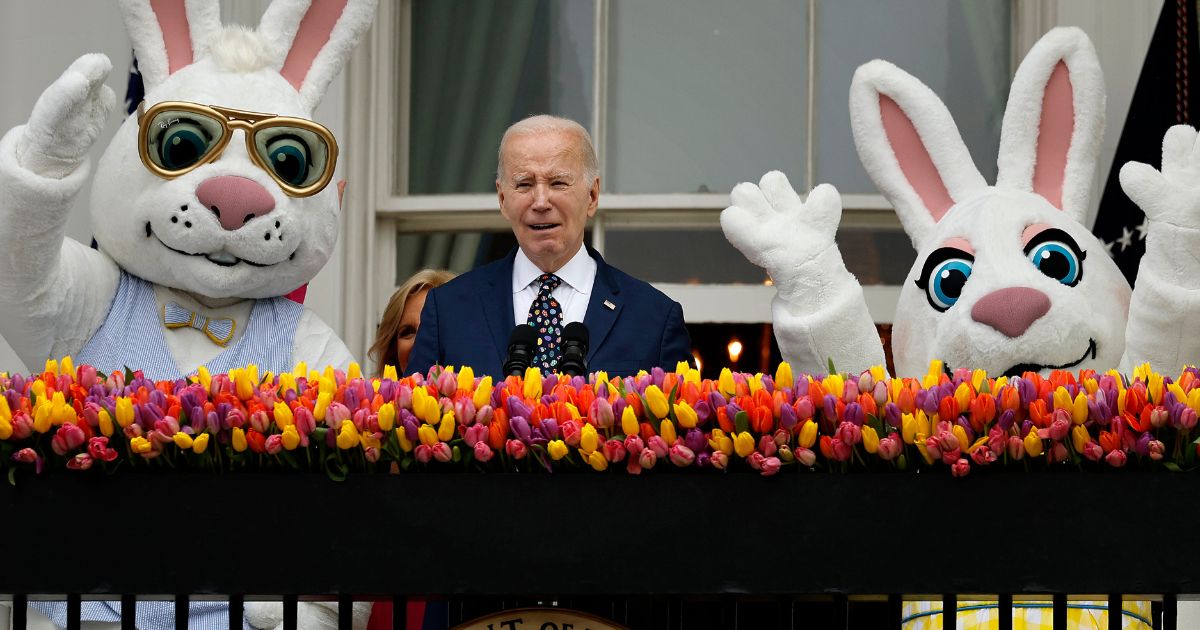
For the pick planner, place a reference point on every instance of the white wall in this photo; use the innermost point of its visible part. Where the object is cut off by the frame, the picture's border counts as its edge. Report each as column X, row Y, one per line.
column 38, row 40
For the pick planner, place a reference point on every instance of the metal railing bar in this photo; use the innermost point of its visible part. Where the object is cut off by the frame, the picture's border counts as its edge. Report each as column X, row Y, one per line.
column 346, row 612
column 1060, row 611
column 1114, row 611
column 841, row 611
column 1004, row 613
column 237, row 609
column 74, row 611
column 949, row 610
column 181, row 612
column 289, row 612
column 20, row 612
column 1170, row 616
column 895, row 604
column 400, row 612
column 128, row 612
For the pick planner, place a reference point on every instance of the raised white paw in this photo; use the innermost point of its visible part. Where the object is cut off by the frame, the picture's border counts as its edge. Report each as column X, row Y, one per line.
column 67, row 118
column 1171, row 195
column 777, row 231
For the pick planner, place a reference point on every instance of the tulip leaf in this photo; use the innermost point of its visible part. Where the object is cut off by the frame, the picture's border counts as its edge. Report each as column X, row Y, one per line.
column 741, row 422
column 832, row 370
column 1196, row 441
column 456, row 454
column 335, row 468
column 1172, row 466
column 12, row 476
column 128, row 375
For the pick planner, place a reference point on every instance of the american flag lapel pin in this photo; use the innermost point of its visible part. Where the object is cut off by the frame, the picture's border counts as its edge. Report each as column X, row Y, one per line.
column 610, row 306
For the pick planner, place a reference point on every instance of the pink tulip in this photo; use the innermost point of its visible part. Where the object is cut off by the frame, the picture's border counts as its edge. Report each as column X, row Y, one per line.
column 261, row 423
column 98, row 449
column 25, row 456
column 719, row 460
column 483, row 452
column 1116, row 458
column 683, row 456
column 81, row 461
column 441, row 452
column 516, row 449
column 614, row 450
column 423, row 453
column 1159, row 417
column 22, row 426
column 933, row 447
column 475, row 434
column 571, row 430
column 1156, row 450
column 370, row 453
column 766, row 445
column 770, row 466
column 756, row 460
column 889, row 448
column 841, row 450
column 633, row 466
column 804, row 409
column 648, row 458
column 1187, row 418
column 1093, row 451
column 849, row 433
column 950, row 457
column 274, row 444
column 634, row 444
column 806, row 457
column 983, row 455
column 1016, row 448
column 602, row 413
column 960, row 468
column 1058, row 452
column 656, row 444
column 68, row 438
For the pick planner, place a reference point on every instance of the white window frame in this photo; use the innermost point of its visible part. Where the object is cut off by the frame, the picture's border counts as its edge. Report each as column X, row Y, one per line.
column 377, row 110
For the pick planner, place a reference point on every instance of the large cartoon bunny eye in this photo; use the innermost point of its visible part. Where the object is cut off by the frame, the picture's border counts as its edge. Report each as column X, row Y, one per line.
column 944, row 275
column 296, row 156
column 1056, row 254
column 179, row 142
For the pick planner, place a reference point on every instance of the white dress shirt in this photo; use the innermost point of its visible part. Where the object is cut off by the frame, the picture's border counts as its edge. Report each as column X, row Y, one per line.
column 573, row 294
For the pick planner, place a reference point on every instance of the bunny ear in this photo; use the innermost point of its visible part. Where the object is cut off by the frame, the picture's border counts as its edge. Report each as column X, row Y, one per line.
column 910, row 147
column 315, row 38
column 169, row 34
column 1054, row 122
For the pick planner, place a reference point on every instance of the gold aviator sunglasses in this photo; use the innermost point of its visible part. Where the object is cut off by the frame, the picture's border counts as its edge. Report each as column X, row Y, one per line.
column 175, row 137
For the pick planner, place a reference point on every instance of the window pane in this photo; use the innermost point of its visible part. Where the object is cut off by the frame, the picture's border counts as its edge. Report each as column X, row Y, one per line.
column 704, row 94
column 961, row 50
column 480, row 65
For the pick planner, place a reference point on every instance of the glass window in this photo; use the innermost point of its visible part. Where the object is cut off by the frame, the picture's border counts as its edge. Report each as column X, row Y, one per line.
column 961, row 50
column 479, row 66
column 704, row 94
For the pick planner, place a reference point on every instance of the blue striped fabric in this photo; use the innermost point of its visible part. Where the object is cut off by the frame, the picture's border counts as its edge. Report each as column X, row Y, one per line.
column 150, row 615
column 132, row 336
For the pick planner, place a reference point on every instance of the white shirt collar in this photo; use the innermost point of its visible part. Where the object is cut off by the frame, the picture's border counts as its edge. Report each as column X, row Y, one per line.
column 579, row 273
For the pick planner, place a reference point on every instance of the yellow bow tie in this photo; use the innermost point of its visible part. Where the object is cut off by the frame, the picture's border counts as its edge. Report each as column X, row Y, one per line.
column 220, row 330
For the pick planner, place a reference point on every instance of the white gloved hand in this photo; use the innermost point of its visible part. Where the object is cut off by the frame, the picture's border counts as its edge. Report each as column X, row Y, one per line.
column 1173, row 195
column 777, row 231
column 67, row 118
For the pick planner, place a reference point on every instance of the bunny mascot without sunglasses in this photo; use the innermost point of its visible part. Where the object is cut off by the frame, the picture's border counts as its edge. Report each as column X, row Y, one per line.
column 208, row 205
column 1008, row 278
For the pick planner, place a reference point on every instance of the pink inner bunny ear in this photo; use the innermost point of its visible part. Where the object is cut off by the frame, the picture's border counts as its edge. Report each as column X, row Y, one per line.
column 915, row 161
column 172, row 20
column 311, row 37
column 1054, row 136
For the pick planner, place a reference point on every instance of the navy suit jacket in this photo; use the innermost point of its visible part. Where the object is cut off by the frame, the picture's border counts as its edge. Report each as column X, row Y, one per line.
column 468, row 321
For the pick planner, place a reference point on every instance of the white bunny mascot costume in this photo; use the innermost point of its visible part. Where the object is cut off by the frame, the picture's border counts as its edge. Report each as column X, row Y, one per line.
column 192, row 260
column 1007, row 278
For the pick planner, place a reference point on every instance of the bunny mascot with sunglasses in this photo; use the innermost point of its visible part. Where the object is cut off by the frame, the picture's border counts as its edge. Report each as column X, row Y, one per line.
column 210, row 203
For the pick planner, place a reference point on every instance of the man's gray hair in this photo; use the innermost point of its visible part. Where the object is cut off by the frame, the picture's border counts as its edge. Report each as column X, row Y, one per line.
column 544, row 123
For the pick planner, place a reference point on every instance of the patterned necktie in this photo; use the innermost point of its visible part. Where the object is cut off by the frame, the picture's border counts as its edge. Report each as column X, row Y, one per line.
column 545, row 315
column 218, row 329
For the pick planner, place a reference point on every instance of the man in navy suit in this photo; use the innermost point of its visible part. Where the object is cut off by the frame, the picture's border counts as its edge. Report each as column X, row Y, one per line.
column 548, row 185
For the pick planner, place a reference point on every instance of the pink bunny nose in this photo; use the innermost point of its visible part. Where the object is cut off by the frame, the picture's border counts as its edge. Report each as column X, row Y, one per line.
column 1011, row 311
column 235, row 200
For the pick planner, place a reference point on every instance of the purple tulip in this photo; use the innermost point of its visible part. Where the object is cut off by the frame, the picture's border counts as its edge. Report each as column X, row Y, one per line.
column 855, row 414
column 703, row 412
column 787, row 417
column 892, row 414
column 519, row 426
column 1007, row 418
column 517, row 407
column 695, row 440
column 550, row 429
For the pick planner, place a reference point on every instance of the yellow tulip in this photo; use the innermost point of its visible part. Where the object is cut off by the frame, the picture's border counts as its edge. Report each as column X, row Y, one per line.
column 386, row 416
column 427, row 435
column 283, row 415
column 783, row 376
column 1121, row 401
column 322, row 405
column 140, row 445
column 67, row 367
column 51, row 367
column 878, row 373
column 347, row 436
column 1079, row 437
column 290, row 437
column 243, row 385
column 327, row 384
column 743, row 443
column 656, row 402
column 124, row 411
column 239, row 440
column 182, row 440
column 682, row 367
column 920, row 444
column 1079, row 410
column 6, row 413
column 389, row 373
column 979, row 442
column 977, row 379
column 961, row 434
column 466, row 379
column 403, row 439
column 962, row 395
column 446, row 428
column 629, row 422
column 204, row 378
column 666, row 430
column 252, row 372
column 200, row 443
column 834, row 384
column 588, row 439
column 38, row 388
column 871, row 439
column 908, row 428
column 60, row 412
column 725, row 383
column 573, row 411
column 557, row 449
column 483, row 393
column 1062, row 399
column 1033, row 444
column 41, row 417
column 287, row 382
column 923, row 424
column 533, row 383
column 721, row 442
column 1193, row 399
column 808, row 434
column 1155, row 388
column 686, row 415
column 755, row 383
column 692, row 376
column 1090, row 385
column 368, row 440
column 6, row 429
column 597, row 461
column 354, row 371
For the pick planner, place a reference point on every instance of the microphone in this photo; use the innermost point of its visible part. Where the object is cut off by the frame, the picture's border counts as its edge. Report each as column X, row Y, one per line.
column 574, row 350
column 520, row 350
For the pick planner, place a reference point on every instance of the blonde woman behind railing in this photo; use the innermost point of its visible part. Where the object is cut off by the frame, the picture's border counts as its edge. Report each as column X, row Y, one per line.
column 398, row 327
